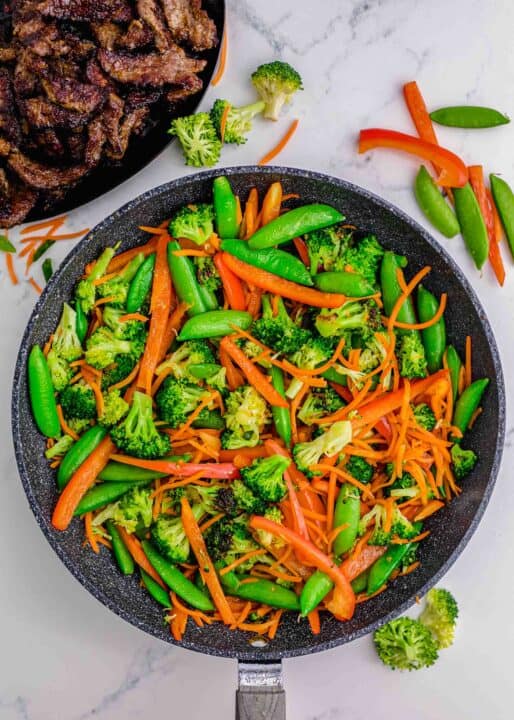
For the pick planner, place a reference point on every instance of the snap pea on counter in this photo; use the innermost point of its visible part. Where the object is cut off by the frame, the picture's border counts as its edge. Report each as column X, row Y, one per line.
column 472, row 225
column 122, row 555
column 434, row 337
column 504, row 200
column 140, row 285
column 433, row 204
column 273, row 260
column 469, row 116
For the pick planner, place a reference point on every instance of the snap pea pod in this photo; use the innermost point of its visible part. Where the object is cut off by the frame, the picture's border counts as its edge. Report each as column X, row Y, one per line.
column 360, row 583
column 102, row 494
column 433, row 337
column 48, row 269
column 454, row 364
column 156, row 591
column 116, row 472
column 122, row 555
column 346, row 283
column 78, row 452
column 274, row 261
column 202, row 371
column 281, row 416
column 216, row 323
column 472, row 225
column 346, row 515
column 225, row 208
column 504, row 201
column 184, row 280
column 433, row 205
column 210, row 419
column 333, row 376
column 175, row 580
column 468, row 403
column 140, row 285
column 391, row 289
column 81, row 322
column 209, row 298
column 294, row 223
column 316, row 588
column 41, row 392
column 382, row 569
column 260, row 590
column 469, row 116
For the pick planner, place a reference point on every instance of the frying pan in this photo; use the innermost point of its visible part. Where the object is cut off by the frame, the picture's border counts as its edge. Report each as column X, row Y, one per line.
column 261, row 694
column 142, row 150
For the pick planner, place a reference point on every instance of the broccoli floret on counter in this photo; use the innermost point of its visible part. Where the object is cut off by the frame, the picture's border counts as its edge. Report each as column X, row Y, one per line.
column 276, row 82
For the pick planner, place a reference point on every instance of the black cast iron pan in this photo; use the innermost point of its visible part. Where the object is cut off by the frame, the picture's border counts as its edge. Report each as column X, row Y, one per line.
column 451, row 528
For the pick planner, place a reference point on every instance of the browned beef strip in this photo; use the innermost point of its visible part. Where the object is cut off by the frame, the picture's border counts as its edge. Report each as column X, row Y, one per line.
column 179, row 93
column 169, row 67
column 41, row 113
column 21, row 201
column 87, row 10
column 190, row 24
column 48, row 144
column 76, row 146
column 9, row 125
column 5, row 147
column 111, row 119
column 41, row 176
column 131, row 124
column 4, row 186
column 138, row 36
column 96, row 138
column 141, row 98
column 107, row 33
column 7, row 54
column 151, row 12
column 74, row 95
column 96, row 76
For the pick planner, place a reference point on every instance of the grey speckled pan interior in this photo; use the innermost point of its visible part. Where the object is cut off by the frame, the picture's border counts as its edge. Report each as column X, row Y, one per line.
column 451, row 528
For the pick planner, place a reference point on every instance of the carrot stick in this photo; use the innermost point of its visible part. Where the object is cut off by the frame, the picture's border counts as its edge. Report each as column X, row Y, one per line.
column 418, row 112
column 64, row 425
column 280, row 145
column 223, row 471
column 249, row 224
column 36, row 287
column 88, row 525
column 52, row 225
column 301, row 249
column 79, row 484
column 273, row 284
column 254, row 376
column 234, row 377
column 313, row 618
column 223, row 57
column 253, row 305
column 123, row 258
column 476, row 179
column 231, row 284
column 467, row 362
column 205, row 564
column 250, row 452
column 160, row 309
column 271, row 203
column 10, row 268
column 134, row 547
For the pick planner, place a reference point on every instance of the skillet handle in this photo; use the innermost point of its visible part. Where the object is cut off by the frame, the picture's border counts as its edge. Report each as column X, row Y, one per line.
column 261, row 693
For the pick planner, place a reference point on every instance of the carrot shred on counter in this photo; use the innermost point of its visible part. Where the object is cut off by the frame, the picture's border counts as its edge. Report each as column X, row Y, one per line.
column 223, row 58
column 280, row 145
column 35, row 285
column 10, row 268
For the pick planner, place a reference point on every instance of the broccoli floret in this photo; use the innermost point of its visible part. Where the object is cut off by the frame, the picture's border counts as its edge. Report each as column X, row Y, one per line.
column 227, row 540
column 60, row 370
column 118, row 370
column 59, row 448
column 358, row 468
column 405, row 644
column 372, row 354
column 193, row 222
column 400, row 526
column 115, row 408
column 79, row 425
column 218, row 380
column 117, row 287
column 318, row 403
column 330, row 443
column 363, row 258
column 137, row 434
column 440, row 616
column 169, row 536
column 212, row 499
column 238, row 122
column 176, row 400
column 403, row 487
column 198, row 138
column 66, row 342
column 363, row 316
column 246, row 499
column 410, row 556
column 463, row 461
column 265, row 476
column 279, row 332
column 172, row 499
column 424, row 416
column 315, row 352
column 246, row 414
column 85, row 292
column 207, row 274
column 326, row 247
column 132, row 330
column 103, row 348
column 276, row 82
column 190, row 352
column 78, row 401
column 133, row 511
column 411, row 355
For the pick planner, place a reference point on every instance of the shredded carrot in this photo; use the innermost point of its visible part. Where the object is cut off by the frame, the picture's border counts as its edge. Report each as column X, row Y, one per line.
column 242, row 559
column 280, row 145
column 249, row 223
column 313, row 618
column 223, row 121
column 64, row 425
column 429, row 509
column 36, row 287
column 271, row 203
column 95, row 387
column 126, row 381
column 10, row 268
column 105, row 300
column 404, row 541
column 90, row 535
column 54, row 224
column 123, row 258
column 467, row 362
column 474, row 417
column 196, row 412
column 301, row 249
column 211, row 521
column 223, row 57
column 104, row 279
column 422, row 326
column 190, row 253
column 172, row 327
column 134, row 547
column 133, row 316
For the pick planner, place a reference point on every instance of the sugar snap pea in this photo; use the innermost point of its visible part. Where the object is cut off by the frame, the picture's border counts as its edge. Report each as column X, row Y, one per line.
column 469, row 116
column 215, row 323
column 273, row 260
column 346, row 283
column 281, row 416
column 433, row 337
column 468, row 403
column 347, row 516
column 504, row 201
column 140, row 285
column 454, row 364
column 360, row 583
column 102, row 494
column 48, row 269
column 122, row 555
column 81, row 322
column 156, row 591
column 260, row 590
column 383, row 568
column 116, row 472
column 41, row 392
column 294, row 223
column 225, row 208
column 78, row 452
column 184, row 280
column 472, row 225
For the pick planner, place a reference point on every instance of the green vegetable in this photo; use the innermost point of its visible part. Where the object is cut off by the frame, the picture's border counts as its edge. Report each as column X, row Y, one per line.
column 468, row 403
column 156, row 591
column 225, row 208
column 122, row 555
column 120, row 368
column 433, row 204
column 469, row 116
column 246, row 414
column 358, row 468
column 79, row 452
column 193, row 222
column 401, row 527
column 433, row 337
column 276, row 82
column 260, row 591
column 346, row 513
column 132, row 512
column 78, row 401
column 81, row 322
column 137, row 435
column 215, row 323
column 176, row 581
column 363, row 257
column 472, row 224
column 316, row 588
column 296, row 222
column 440, row 616
column 272, row 260
column 169, row 537
column 352, row 315
column 184, row 280
column 351, row 284
column 238, row 120
column 228, row 540
column 6, row 245
column 279, row 332
column 360, row 583
column 140, row 285
column 48, row 271
column 102, row 494
column 66, row 342
column 424, row 416
column 103, row 347
column 115, row 408
column 41, row 392
column 177, row 399
column 405, row 644
column 117, row 287
column 188, row 353
column 504, row 201
column 382, row 569
column 198, row 138
column 463, row 461
column 85, row 292
column 454, row 365
column 318, row 403
column 265, row 477
column 60, row 448
column 281, row 416
column 42, row 249
column 331, row 442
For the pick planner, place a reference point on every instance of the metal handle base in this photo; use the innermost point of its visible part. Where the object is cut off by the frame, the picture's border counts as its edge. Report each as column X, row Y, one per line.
column 261, row 693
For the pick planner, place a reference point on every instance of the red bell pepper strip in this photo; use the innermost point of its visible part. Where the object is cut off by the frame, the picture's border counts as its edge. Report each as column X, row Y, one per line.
column 476, row 179
column 453, row 173
column 316, row 557
column 231, row 285
column 222, row 471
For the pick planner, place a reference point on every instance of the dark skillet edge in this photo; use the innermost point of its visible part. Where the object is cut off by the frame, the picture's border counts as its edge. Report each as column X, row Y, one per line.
column 262, row 654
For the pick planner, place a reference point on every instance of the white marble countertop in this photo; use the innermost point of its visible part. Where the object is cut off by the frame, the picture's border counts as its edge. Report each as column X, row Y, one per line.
column 64, row 656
